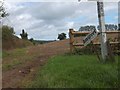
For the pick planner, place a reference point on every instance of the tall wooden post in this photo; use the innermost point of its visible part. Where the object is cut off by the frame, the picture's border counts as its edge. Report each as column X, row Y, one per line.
column 71, row 40
column 103, row 36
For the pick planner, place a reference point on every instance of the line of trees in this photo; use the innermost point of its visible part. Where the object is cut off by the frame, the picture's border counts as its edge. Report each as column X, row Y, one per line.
column 108, row 27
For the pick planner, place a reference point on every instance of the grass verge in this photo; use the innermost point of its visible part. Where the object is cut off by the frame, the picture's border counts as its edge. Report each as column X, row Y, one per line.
column 76, row 71
column 14, row 58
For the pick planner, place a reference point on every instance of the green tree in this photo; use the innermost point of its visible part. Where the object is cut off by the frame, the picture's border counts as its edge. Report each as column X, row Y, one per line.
column 62, row 36
column 24, row 35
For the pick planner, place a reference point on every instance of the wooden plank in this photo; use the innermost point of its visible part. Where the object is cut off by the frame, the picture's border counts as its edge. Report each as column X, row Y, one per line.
column 78, row 32
column 81, row 44
column 111, row 32
column 87, row 32
column 71, row 40
column 78, row 44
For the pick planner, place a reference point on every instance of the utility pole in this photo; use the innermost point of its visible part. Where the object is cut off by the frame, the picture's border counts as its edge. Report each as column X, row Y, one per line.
column 103, row 37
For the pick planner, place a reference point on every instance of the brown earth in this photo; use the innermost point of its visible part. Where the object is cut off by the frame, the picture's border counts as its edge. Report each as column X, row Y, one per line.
column 12, row 78
column 19, row 75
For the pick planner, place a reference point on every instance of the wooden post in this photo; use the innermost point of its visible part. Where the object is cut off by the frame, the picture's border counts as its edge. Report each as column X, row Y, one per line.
column 103, row 37
column 71, row 40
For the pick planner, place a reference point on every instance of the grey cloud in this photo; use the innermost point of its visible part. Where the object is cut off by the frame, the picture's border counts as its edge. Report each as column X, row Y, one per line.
column 47, row 17
column 52, row 11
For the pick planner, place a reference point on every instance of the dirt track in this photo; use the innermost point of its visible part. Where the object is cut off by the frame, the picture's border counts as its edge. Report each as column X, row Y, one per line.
column 13, row 78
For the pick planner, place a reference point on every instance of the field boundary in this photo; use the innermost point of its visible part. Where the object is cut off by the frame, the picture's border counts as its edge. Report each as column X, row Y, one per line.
column 72, row 33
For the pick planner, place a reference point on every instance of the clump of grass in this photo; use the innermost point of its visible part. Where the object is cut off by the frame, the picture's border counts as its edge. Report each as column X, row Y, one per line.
column 76, row 71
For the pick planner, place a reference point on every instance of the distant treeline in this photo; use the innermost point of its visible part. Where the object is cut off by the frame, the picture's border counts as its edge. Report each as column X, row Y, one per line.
column 108, row 27
column 42, row 41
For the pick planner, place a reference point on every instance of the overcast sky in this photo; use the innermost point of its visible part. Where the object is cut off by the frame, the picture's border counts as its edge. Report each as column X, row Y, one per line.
column 45, row 20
